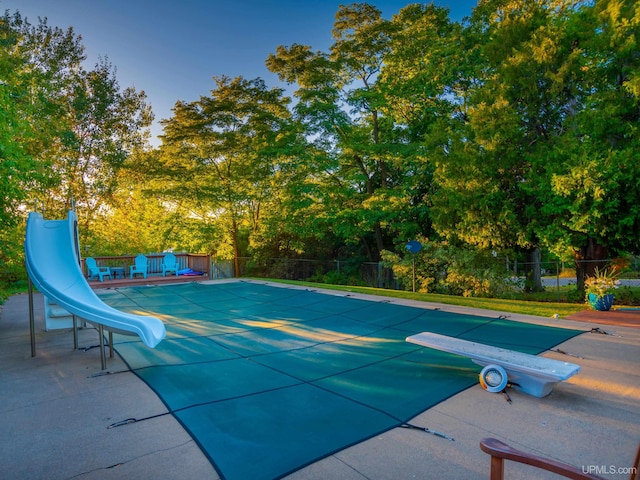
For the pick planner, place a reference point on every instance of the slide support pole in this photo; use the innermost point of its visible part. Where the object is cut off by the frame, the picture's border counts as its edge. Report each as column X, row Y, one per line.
column 103, row 358
column 75, row 332
column 32, row 326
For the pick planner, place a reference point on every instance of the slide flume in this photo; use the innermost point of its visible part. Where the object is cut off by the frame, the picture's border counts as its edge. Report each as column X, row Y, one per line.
column 52, row 259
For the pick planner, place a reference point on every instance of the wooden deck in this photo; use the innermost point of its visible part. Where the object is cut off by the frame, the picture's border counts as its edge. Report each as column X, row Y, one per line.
column 152, row 279
column 621, row 317
column 120, row 270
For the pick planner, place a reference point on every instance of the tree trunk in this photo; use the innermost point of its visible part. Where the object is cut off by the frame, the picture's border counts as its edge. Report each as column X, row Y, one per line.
column 379, row 241
column 236, row 250
column 533, row 270
column 587, row 258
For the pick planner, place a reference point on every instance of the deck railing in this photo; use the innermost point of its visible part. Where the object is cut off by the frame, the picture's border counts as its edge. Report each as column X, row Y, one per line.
column 196, row 262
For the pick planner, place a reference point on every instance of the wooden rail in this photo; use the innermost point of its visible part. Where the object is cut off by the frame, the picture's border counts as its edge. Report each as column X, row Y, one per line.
column 500, row 452
column 196, row 262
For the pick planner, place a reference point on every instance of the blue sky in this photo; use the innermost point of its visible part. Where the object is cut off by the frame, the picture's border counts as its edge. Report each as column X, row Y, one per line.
column 172, row 49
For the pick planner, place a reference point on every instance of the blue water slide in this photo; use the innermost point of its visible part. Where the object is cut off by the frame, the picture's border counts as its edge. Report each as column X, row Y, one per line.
column 52, row 257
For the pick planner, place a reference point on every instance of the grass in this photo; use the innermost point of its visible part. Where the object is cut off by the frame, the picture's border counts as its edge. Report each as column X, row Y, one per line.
column 541, row 309
column 13, row 289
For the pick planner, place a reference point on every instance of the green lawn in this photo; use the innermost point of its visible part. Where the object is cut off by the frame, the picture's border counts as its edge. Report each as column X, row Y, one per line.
column 541, row 309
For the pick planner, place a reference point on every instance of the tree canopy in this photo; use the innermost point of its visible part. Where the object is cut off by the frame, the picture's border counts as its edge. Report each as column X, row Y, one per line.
column 512, row 131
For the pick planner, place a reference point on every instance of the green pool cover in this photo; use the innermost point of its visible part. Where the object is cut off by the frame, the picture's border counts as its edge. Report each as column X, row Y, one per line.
column 269, row 379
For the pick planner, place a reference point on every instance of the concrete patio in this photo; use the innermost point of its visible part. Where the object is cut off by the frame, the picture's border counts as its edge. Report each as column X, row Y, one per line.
column 57, row 407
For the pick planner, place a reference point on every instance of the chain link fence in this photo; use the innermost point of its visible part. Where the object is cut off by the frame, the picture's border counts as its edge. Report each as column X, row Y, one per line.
column 553, row 274
column 373, row 274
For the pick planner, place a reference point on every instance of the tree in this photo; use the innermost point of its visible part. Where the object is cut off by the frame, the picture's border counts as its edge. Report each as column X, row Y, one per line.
column 358, row 180
column 134, row 222
column 421, row 83
column 543, row 153
column 594, row 180
column 492, row 170
column 222, row 153
column 105, row 125
column 35, row 65
column 67, row 130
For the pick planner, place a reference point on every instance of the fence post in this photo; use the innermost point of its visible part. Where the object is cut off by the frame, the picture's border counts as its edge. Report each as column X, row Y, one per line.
column 380, row 280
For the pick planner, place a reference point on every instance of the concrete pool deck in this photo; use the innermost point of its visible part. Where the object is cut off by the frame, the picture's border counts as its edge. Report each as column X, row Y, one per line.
column 56, row 409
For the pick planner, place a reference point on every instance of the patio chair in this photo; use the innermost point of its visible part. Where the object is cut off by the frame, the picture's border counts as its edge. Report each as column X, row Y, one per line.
column 95, row 270
column 140, row 267
column 169, row 264
column 500, row 451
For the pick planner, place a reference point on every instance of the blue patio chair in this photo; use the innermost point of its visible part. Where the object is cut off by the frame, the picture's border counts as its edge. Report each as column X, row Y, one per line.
column 169, row 264
column 95, row 270
column 140, row 267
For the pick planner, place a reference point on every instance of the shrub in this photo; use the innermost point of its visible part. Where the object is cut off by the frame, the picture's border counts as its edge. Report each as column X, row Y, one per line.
column 627, row 296
column 442, row 268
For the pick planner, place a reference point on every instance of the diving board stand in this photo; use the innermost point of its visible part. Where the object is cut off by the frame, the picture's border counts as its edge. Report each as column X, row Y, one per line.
column 528, row 373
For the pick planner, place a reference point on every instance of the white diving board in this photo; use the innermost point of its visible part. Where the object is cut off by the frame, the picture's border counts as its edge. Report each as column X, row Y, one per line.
column 528, row 373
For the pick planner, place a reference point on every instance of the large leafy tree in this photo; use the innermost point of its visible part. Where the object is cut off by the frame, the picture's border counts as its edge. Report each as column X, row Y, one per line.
column 222, row 156
column 421, row 83
column 499, row 173
column 36, row 65
column 490, row 176
column 544, row 154
column 66, row 130
column 105, row 125
column 358, row 191
column 593, row 195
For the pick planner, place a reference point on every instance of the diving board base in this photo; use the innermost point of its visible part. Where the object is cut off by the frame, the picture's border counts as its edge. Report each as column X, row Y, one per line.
column 527, row 373
column 537, row 386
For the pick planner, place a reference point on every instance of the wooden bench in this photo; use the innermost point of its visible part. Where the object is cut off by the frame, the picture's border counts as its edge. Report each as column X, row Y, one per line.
column 528, row 373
